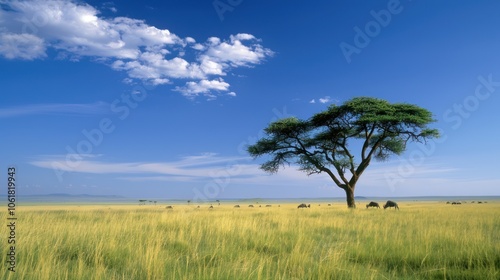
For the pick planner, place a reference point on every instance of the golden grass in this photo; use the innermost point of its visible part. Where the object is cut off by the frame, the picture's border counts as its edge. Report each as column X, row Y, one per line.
column 421, row 241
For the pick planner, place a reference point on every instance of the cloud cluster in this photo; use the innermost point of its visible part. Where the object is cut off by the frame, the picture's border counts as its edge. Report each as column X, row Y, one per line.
column 157, row 56
column 199, row 169
column 187, row 168
column 323, row 100
column 55, row 109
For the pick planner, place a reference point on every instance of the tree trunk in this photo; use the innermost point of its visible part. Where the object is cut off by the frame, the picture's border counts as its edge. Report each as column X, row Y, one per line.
column 349, row 191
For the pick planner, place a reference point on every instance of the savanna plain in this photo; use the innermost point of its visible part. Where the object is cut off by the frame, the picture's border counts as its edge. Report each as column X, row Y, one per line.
column 423, row 240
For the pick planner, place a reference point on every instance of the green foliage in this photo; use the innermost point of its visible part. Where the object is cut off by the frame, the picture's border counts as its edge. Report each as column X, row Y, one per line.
column 324, row 142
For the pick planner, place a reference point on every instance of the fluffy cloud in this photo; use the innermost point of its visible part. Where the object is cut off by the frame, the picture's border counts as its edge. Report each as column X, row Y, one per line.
column 235, row 53
column 200, row 166
column 24, row 46
column 192, row 89
column 144, row 52
column 323, row 100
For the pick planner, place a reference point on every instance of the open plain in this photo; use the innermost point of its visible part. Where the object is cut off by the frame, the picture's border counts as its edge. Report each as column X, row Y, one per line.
column 423, row 240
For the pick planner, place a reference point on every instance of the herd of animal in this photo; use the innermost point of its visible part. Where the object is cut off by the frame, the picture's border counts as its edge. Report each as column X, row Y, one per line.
column 388, row 204
column 373, row 204
column 460, row 202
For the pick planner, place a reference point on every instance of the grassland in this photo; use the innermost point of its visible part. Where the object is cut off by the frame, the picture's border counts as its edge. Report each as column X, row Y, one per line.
column 421, row 241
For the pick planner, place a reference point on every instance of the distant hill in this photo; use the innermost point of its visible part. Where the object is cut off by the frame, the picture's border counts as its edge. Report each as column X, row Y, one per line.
column 78, row 195
column 104, row 199
column 63, row 197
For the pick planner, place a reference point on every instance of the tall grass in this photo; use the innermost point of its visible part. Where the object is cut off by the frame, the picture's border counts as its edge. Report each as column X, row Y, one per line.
column 422, row 241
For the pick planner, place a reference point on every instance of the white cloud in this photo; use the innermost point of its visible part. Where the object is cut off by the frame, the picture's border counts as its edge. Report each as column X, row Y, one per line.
column 193, row 89
column 241, row 37
column 194, row 167
column 128, row 81
column 213, row 41
column 325, row 99
column 235, row 54
column 190, row 40
column 198, row 47
column 23, row 46
column 152, row 67
column 39, row 109
column 156, row 178
column 210, row 67
column 76, row 30
column 203, row 169
column 238, row 171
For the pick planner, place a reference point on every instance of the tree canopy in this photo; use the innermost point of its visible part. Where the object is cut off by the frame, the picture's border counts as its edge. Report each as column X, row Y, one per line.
column 323, row 143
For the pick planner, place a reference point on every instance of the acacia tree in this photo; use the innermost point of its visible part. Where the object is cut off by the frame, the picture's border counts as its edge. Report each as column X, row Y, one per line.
column 328, row 141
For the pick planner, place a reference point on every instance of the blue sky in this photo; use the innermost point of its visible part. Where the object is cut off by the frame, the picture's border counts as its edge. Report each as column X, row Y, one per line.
column 158, row 99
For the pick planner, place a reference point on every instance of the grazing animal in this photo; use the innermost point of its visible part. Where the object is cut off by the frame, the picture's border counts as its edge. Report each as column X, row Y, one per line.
column 456, row 203
column 303, row 205
column 268, row 205
column 170, row 207
column 329, row 204
column 480, row 202
column 211, row 207
column 372, row 204
column 390, row 203
column 450, row 202
column 250, row 205
column 236, row 206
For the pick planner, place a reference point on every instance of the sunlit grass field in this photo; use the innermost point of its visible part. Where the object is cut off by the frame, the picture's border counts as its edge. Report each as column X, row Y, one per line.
column 424, row 240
